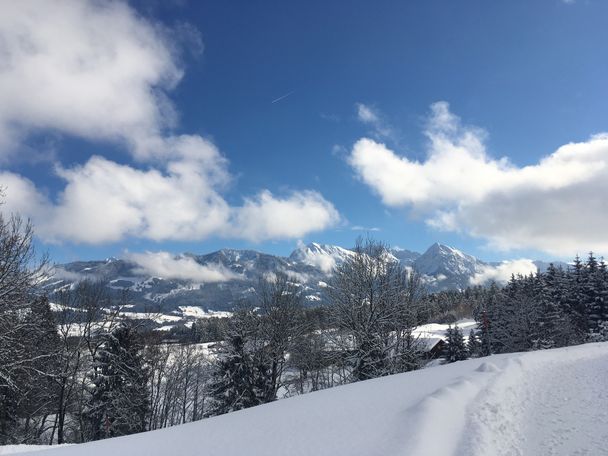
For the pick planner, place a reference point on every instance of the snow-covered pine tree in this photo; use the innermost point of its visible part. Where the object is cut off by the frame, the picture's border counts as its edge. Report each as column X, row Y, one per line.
column 473, row 344
column 118, row 403
column 455, row 348
column 515, row 329
column 598, row 303
column 603, row 276
column 592, row 295
column 233, row 385
column 490, row 320
column 554, row 327
column 574, row 302
column 240, row 378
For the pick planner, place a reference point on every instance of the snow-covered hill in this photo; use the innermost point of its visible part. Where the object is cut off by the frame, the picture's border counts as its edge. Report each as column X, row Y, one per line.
column 551, row 402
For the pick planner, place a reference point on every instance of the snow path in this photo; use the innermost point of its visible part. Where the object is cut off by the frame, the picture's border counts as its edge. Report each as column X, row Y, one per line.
column 542, row 405
column 546, row 403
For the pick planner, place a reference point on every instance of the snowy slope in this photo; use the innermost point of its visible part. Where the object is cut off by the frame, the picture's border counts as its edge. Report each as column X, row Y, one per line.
column 550, row 402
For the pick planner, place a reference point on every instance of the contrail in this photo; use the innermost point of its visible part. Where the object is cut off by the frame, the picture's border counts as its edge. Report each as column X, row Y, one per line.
column 281, row 97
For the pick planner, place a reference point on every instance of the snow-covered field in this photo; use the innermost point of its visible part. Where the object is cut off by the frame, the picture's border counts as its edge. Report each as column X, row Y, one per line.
column 552, row 402
column 428, row 335
column 199, row 312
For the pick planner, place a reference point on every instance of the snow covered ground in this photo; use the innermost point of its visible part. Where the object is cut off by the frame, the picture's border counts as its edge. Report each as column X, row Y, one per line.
column 552, row 402
column 431, row 333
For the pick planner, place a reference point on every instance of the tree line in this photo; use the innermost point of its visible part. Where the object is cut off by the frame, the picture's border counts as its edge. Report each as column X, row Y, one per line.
column 555, row 308
column 551, row 309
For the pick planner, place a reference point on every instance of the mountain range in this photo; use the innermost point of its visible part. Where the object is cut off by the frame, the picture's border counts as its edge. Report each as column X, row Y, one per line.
column 238, row 273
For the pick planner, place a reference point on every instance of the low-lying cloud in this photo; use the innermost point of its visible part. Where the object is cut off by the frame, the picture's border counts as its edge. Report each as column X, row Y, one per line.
column 502, row 272
column 182, row 267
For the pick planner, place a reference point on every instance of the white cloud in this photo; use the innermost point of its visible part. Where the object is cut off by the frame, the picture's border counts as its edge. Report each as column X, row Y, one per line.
column 99, row 71
column 364, row 228
column 366, row 114
column 87, row 68
column 60, row 273
column 266, row 217
column 502, row 272
column 556, row 205
column 323, row 261
column 371, row 117
column 105, row 202
column 168, row 266
column 297, row 277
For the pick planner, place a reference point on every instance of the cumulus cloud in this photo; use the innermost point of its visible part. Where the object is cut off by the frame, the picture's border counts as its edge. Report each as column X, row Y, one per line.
column 105, row 202
column 100, row 71
column 556, row 205
column 87, row 68
column 267, row 217
column 182, row 267
column 502, row 272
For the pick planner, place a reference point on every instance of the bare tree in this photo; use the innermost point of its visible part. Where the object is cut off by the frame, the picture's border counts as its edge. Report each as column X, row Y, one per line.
column 21, row 365
column 20, row 270
column 281, row 311
column 373, row 307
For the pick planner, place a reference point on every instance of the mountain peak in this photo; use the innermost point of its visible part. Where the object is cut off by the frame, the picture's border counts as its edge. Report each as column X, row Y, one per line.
column 443, row 249
column 446, row 262
column 316, row 248
column 323, row 256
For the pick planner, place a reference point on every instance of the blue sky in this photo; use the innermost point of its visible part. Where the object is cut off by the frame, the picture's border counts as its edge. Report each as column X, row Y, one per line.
column 522, row 78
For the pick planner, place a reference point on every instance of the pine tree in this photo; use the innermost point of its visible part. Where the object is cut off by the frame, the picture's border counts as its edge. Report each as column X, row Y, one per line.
column 574, row 302
column 554, row 328
column 119, row 398
column 489, row 321
column 598, row 306
column 473, row 344
column 455, row 348
column 234, row 385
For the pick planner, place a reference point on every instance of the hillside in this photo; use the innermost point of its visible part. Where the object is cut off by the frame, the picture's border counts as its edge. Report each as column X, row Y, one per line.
column 547, row 402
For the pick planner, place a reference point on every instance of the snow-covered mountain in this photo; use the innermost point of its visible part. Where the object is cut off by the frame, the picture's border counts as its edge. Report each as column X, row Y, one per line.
column 406, row 257
column 220, row 280
column 447, row 267
column 322, row 256
column 548, row 402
